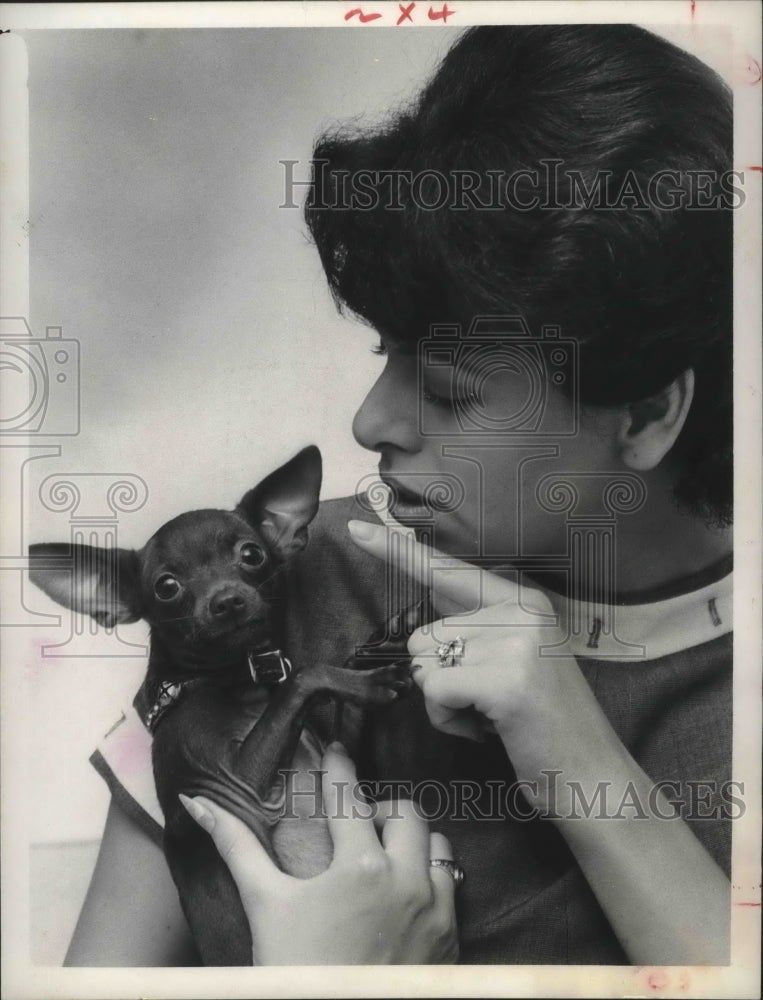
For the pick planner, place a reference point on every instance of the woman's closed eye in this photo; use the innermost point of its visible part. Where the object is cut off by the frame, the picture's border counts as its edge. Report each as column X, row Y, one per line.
column 446, row 399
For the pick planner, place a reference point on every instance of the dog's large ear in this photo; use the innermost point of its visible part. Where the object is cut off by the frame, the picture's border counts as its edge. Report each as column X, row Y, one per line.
column 285, row 502
column 103, row 583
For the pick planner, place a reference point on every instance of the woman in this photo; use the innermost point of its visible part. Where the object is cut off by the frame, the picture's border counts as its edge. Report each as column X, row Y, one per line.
column 575, row 759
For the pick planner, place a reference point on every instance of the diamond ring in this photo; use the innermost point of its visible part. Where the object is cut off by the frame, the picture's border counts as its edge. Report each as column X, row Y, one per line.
column 450, row 653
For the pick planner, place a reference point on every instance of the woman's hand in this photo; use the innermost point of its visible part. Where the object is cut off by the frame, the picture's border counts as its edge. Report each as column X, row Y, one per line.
column 665, row 897
column 540, row 705
column 378, row 903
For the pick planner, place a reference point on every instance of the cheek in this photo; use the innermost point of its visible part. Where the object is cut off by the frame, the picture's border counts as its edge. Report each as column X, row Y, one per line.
column 501, row 514
column 484, row 521
column 176, row 619
column 269, row 585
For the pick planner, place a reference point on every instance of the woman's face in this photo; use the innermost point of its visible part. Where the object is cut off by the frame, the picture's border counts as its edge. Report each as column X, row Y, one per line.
column 454, row 467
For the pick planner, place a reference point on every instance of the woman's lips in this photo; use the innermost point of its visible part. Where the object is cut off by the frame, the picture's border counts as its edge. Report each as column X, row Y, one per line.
column 406, row 504
column 404, row 511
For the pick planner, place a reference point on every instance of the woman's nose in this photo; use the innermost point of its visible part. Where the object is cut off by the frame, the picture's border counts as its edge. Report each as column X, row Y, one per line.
column 388, row 416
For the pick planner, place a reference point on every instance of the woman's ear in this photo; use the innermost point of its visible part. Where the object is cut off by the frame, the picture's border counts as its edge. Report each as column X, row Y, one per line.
column 650, row 426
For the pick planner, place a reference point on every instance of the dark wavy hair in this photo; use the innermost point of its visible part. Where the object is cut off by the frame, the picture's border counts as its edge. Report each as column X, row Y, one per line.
column 646, row 292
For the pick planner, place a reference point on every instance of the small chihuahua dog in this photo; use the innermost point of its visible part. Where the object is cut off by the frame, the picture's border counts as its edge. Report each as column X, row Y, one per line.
column 225, row 706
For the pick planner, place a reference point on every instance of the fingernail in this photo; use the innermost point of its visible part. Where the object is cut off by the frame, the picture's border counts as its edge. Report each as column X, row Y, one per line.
column 362, row 530
column 196, row 811
column 337, row 747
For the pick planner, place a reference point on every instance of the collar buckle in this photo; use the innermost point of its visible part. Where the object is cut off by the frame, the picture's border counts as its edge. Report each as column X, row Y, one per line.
column 271, row 667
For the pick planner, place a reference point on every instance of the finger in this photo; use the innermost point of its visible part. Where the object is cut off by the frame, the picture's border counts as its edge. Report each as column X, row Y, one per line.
column 528, row 607
column 448, row 690
column 423, row 668
column 449, row 705
column 383, row 809
column 405, row 836
column 456, row 720
column 465, row 722
column 350, row 816
column 439, row 847
column 248, row 861
column 456, row 585
column 423, row 642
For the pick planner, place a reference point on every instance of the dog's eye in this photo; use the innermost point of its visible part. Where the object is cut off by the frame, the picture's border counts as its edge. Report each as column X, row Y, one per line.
column 251, row 555
column 167, row 587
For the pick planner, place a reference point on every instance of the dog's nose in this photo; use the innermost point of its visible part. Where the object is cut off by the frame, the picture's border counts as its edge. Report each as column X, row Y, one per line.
column 226, row 602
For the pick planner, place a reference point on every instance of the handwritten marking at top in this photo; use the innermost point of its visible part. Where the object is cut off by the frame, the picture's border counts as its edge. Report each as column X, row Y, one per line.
column 405, row 13
column 441, row 15
column 363, row 18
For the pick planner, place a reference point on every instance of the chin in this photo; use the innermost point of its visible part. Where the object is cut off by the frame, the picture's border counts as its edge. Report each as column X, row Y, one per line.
column 446, row 536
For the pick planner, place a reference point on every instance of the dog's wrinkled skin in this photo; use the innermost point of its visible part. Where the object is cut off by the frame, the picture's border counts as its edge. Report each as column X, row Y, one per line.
column 209, row 585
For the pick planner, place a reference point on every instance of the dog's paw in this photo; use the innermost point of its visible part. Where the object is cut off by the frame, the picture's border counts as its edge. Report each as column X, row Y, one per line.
column 371, row 688
column 389, row 643
column 393, row 678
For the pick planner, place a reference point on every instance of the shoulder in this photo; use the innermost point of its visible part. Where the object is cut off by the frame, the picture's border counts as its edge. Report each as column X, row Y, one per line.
column 337, row 594
column 332, row 569
column 328, row 530
column 123, row 759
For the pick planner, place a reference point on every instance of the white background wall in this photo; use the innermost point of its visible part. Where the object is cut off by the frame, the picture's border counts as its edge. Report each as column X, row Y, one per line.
column 210, row 348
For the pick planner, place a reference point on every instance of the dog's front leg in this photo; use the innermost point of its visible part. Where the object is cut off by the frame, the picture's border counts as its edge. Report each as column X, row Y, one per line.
column 270, row 744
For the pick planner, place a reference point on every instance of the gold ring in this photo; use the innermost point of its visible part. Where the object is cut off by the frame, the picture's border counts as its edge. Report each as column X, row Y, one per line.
column 455, row 871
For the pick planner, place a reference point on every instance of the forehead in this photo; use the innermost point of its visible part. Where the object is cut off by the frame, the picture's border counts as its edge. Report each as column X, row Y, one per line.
column 198, row 536
column 457, row 361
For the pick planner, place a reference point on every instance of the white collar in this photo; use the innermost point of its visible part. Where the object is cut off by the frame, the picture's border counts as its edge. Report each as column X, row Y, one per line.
column 646, row 631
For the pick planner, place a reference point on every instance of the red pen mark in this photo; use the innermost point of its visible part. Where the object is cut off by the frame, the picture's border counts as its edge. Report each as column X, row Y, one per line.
column 752, row 71
column 693, row 8
column 363, row 18
column 746, row 904
column 657, row 980
column 441, row 15
column 405, row 14
column 128, row 750
column 758, row 169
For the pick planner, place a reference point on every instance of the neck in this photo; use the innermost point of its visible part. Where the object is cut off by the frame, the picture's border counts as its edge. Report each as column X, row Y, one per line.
column 659, row 550
column 215, row 667
column 653, row 549
column 647, row 558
